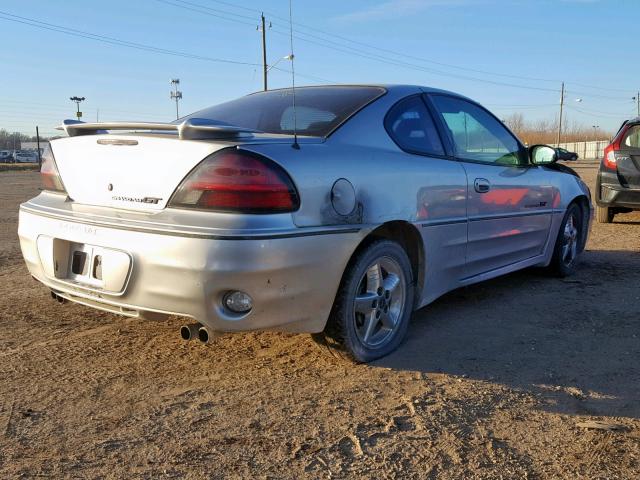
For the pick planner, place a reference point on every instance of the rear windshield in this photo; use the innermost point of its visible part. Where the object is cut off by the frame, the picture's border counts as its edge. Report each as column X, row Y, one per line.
column 319, row 110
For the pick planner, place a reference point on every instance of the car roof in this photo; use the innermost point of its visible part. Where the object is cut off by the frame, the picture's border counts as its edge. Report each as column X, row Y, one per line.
column 394, row 87
column 626, row 122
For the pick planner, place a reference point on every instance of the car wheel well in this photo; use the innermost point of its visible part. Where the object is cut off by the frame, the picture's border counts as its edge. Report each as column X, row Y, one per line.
column 583, row 203
column 409, row 238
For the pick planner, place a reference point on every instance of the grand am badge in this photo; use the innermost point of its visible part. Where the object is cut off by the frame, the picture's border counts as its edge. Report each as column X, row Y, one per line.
column 150, row 200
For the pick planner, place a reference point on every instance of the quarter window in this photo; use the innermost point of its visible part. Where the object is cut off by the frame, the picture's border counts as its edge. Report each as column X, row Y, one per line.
column 632, row 137
column 410, row 125
column 475, row 134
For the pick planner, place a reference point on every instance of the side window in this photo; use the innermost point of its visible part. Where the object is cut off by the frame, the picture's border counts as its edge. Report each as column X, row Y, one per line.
column 632, row 137
column 475, row 134
column 410, row 125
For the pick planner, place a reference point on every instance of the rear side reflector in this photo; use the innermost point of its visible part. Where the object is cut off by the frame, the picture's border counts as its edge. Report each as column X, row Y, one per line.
column 233, row 180
column 49, row 174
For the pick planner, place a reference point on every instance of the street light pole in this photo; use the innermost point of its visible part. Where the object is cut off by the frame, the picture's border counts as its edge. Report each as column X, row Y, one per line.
column 77, row 101
column 595, row 131
column 175, row 94
column 286, row 57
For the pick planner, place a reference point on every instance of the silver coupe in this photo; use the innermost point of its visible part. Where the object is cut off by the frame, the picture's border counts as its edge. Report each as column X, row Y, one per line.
column 333, row 210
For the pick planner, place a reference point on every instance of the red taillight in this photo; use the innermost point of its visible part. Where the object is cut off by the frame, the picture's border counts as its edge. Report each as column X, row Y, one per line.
column 609, row 160
column 49, row 175
column 233, row 180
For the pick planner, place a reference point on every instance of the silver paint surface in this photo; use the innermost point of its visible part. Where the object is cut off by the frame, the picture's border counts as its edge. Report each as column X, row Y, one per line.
column 291, row 264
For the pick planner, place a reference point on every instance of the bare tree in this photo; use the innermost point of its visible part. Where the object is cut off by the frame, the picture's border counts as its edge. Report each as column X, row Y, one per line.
column 545, row 131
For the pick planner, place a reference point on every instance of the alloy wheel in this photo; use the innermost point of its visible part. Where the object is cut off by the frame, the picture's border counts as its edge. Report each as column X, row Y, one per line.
column 570, row 241
column 379, row 302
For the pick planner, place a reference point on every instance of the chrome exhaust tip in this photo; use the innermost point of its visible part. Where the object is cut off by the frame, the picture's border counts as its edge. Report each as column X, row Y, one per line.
column 57, row 297
column 203, row 335
column 189, row 332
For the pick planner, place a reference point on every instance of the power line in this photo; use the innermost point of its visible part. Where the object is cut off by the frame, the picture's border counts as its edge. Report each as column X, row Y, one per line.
column 125, row 43
column 342, row 48
column 59, row 111
column 421, row 59
column 509, row 105
column 595, row 95
column 190, row 6
column 6, row 105
column 522, row 107
column 584, row 85
column 111, row 40
column 413, row 66
column 325, row 43
column 597, row 112
column 393, row 52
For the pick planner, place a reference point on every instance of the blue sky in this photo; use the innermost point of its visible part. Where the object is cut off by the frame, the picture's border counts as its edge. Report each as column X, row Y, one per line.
column 510, row 55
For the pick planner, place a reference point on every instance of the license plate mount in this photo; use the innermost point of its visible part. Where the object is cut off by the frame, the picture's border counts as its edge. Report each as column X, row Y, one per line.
column 98, row 268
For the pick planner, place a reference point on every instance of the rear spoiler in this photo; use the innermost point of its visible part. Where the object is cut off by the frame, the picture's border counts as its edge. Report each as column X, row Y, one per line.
column 190, row 129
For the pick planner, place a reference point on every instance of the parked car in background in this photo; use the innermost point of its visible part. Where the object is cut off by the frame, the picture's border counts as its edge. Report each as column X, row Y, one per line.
column 618, row 180
column 566, row 155
column 25, row 156
column 338, row 214
column 6, row 156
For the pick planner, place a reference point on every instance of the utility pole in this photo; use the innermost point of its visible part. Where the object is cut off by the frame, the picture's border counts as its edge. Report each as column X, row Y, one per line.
column 77, row 100
column 39, row 154
column 265, row 67
column 175, row 94
column 637, row 99
column 560, row 119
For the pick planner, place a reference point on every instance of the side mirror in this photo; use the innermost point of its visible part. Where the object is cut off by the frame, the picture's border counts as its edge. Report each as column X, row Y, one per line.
column 543, row 155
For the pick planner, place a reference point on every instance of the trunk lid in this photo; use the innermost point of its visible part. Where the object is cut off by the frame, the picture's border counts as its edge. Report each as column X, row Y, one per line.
column 132, row 172
column 139, row 172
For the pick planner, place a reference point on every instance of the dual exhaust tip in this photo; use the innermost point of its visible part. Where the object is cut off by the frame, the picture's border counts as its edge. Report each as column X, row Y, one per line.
column 187, row 332
column 57, row 297
column 195, row 330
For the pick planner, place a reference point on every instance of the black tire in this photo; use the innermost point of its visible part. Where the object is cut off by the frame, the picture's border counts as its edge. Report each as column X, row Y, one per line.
column 604, row 214
column 363, row 337
column 569, row 243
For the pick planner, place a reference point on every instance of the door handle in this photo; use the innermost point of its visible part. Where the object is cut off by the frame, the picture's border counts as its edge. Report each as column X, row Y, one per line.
column 482, row 185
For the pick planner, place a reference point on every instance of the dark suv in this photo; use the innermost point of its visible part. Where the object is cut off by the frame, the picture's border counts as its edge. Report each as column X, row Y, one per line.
column 618, row 182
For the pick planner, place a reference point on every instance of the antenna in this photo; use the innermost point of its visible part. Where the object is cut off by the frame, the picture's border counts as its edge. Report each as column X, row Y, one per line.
column 293, row 82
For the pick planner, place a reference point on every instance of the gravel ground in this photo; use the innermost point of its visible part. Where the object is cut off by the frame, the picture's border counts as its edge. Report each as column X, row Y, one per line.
column 496, row 380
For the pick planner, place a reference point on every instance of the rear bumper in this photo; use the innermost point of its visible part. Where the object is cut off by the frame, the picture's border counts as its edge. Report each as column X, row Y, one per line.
column 609, row 196
column 291, row 276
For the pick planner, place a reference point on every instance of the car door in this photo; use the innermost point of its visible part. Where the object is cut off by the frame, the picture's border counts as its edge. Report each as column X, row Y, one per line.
column 509, row 200
column 439, row 184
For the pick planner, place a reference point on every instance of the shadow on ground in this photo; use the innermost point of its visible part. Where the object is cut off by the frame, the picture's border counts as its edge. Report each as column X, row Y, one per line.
column 581, row 355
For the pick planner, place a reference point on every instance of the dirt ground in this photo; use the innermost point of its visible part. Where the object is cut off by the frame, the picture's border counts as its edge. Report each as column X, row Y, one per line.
column 494, row 381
